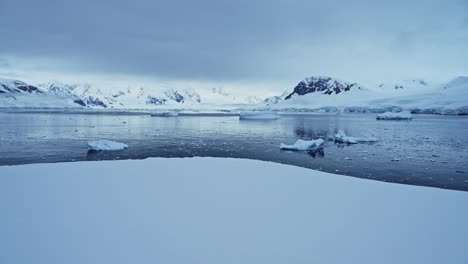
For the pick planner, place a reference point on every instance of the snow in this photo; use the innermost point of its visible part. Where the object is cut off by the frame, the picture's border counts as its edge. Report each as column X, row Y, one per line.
column 264, row 115
column 395, row 116
column 106, row 145
column 419, row 96
column 165, row 114
column 416, row 95
column 341, row 137
column 304, row 145
column 212, row 210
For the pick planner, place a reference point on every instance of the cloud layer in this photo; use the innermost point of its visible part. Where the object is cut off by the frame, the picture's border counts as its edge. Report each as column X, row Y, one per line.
column 236, row 41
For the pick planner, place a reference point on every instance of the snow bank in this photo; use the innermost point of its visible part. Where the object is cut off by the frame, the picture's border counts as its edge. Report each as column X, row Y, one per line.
column 341, row 137
column 108, row 145
column 264, row 115
column 304, row 145
column 395, row 116
column 210, row 210
column 165, row 114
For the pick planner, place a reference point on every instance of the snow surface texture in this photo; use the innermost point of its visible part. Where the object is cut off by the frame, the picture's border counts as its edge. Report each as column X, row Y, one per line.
column 395, row 116
column 341, row 137
column 304, row 145
column 106, row 145
column 211, row 210
column 165, row 114
column 258, row 115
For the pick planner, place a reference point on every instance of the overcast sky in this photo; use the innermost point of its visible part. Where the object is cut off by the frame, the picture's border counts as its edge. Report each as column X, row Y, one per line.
column 267, row 42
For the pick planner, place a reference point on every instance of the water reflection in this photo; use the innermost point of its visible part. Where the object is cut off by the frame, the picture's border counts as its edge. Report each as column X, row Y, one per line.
column 320, row 153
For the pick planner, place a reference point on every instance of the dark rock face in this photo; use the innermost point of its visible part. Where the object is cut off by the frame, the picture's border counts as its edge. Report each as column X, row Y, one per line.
column 323, row 85
column 155, row 100
column 91, row 101
column 120, row 93
column 194, row 96
column 175, row 95
column 20, row 87
column 80, row 102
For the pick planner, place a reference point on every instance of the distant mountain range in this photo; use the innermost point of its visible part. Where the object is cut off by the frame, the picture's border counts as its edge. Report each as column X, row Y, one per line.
column 316, row 93
column 15, row 93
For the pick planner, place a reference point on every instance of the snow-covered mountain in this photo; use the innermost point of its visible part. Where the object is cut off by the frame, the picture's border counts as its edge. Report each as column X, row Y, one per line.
column 57, row 94
column 276, row 99
column 12, row 87
column 322, row 85
column 311, row 94
column 16, row 93
column 417, row 95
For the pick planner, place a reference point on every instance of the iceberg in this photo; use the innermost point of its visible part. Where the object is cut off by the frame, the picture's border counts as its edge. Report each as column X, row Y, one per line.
column 304, row 145
column 341, row 137
column 258, row 115
column 405, row 115
column 165, row 114
column 106, row 145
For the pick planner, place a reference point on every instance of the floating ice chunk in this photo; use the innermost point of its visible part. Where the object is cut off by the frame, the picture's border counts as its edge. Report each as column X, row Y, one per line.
column 165, row 114
column 405, row 115
column 259, row 115
column 341, row 137
column 304, row 145
column 99, row 145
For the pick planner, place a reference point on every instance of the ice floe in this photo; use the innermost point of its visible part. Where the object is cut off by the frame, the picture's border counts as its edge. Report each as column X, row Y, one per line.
column 304, row 145
column 341, row 137
column 405, row 115
column 106, row 145
column 258, row 115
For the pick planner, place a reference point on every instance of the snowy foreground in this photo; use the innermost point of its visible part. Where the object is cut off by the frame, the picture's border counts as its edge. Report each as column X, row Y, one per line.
column 211, row 210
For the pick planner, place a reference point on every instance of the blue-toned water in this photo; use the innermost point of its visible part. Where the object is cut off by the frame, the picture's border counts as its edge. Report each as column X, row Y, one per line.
column 429, row 150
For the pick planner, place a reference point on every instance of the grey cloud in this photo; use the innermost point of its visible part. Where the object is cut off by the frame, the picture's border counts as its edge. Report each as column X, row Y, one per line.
column 238, row 40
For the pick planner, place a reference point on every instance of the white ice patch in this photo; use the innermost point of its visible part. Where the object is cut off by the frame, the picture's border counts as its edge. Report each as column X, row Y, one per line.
column 259, row 115
column 341, row 137
column 304, row 145
column 405, row 115
column 107, row 145
column 165, row 114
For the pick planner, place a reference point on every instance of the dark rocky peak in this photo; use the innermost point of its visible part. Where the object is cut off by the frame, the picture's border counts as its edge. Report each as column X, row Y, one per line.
column 322, row 85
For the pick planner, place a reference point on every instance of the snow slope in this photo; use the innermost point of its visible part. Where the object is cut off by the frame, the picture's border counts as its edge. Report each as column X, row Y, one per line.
column 450, row 98
column 15, row 93
column 419, row 96
column 133, row 97
column 211, row 210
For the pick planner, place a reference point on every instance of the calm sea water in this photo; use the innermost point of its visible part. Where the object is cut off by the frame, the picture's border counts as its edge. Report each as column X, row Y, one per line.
column 429, row 150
